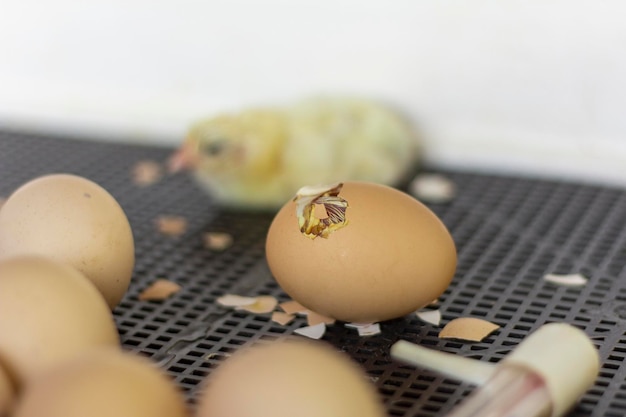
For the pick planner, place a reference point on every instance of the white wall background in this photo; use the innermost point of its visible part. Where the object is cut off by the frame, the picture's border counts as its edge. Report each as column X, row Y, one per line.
column 535, row 86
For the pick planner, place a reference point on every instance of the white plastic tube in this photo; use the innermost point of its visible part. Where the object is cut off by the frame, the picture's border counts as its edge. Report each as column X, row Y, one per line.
column 543, row 377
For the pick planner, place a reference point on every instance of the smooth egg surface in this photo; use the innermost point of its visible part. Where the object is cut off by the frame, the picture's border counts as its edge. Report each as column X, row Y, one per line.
column 73, row 220
column 7, row 392
column 369, row 252
column 49, row 312
column 286, row 379
column 103, row 383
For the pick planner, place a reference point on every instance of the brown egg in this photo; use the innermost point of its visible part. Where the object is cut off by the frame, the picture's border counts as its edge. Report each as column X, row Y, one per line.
column 7, row 392
column 49, row 312
column 73, row 220
column 103, row 383
column 286, row 379
column 360, row 252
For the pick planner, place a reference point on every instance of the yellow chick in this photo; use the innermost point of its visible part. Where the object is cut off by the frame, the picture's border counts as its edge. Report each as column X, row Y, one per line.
column 259, row 158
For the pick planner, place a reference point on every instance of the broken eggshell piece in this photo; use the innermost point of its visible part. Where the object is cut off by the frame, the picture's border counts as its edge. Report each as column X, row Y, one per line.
column 259, row 305
column 315, row 331
column 282, row 318
column 429, row 316
column 159, row 290
column 468, row 328
column 309, row 198
column 262, row 304
column 567, row 280
column 382, row 254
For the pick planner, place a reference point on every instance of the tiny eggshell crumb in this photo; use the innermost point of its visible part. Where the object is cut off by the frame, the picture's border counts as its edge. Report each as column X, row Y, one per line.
column 312, row 332
column 216, row 355
column 293, row 307
column 314, row 318
column 568, row 280
column 171, row 225
column 232, row 300
column 262, row 304
column 159, row 290
column 369, row 330
column 434, row 188
column 217, row 241
column 282, row 318
column 429, row 316
column 365, row 329
column 468, row 328
column 146, row 173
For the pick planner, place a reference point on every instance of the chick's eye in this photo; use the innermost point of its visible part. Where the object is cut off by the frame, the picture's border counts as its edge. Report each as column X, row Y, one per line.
column 214, row 148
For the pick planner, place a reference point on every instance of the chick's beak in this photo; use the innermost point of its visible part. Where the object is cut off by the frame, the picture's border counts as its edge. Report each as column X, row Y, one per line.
column 186, row 157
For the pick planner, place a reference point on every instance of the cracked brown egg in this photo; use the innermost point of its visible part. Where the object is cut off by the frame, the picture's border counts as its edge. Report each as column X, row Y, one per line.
column 360, row 252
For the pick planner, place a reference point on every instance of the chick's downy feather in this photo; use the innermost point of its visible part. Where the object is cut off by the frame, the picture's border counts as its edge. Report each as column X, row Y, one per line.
column 259, row 158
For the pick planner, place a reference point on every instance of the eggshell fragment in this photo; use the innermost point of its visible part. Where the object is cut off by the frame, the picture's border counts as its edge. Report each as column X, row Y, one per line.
column 378, row 255
column 468, row 328
column 282, row 318
column 103, row 383
column 293, row 307
column 145, row 173
column 369, row 330
column 433, row 188
column 365, row 329
column 314, row 318
column 49, row 312
column 312, row 332
column 159, row 290
column 171, row 225
column 234, row 300
column 286, row 379
column 75, row 221
column 262, row 304
column 217, row 241
column 429, row 316
column 568, row 280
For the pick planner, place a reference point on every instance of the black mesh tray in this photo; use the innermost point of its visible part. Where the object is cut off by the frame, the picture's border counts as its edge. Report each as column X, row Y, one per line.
column 509, row 232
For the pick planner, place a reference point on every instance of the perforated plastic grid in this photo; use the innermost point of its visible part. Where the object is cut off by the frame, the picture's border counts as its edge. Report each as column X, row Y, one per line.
column 509, row 233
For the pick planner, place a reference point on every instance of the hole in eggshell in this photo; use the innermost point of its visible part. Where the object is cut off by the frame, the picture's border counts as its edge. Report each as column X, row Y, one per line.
column 320, row 211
